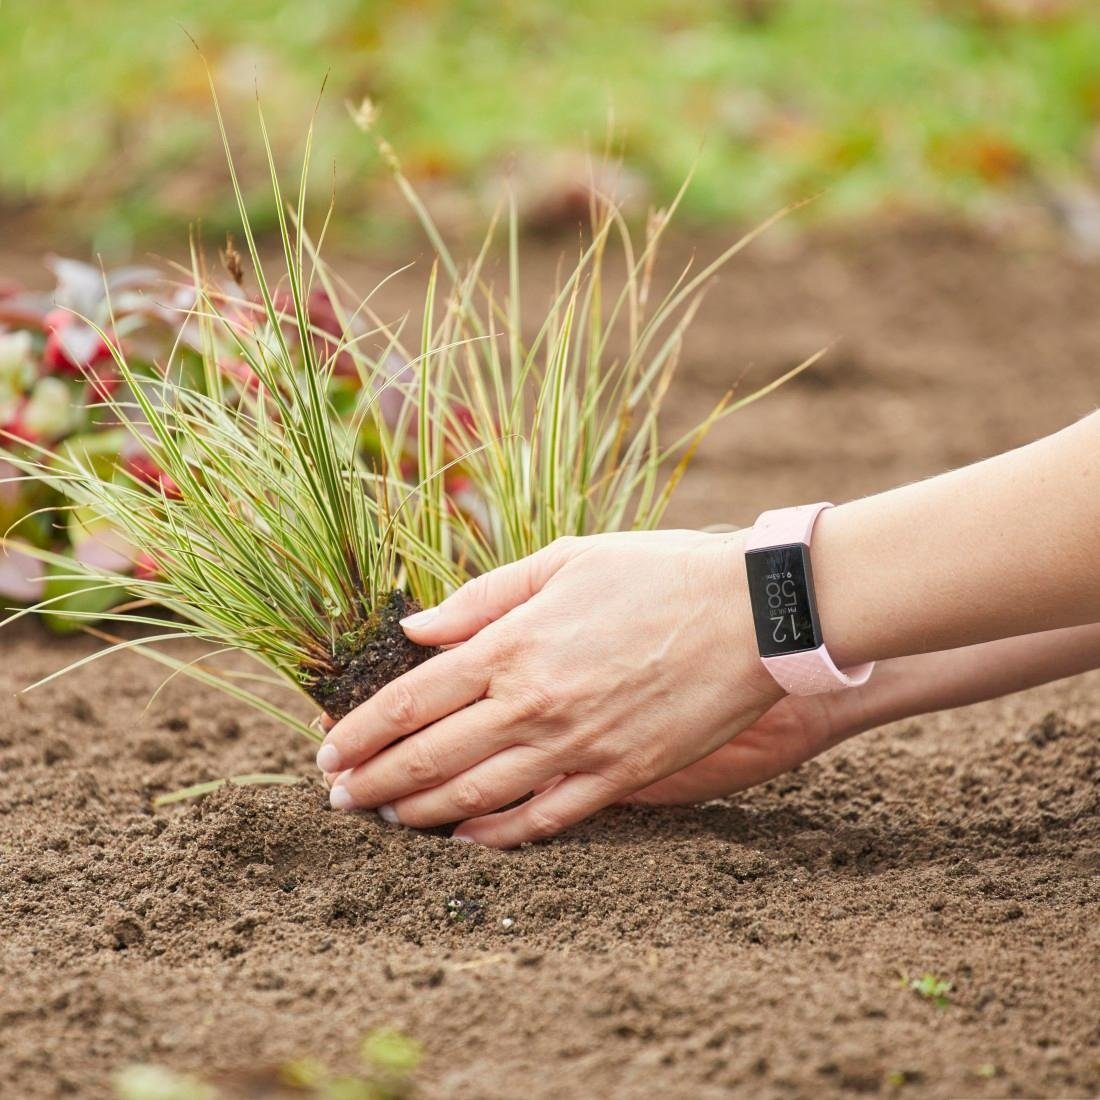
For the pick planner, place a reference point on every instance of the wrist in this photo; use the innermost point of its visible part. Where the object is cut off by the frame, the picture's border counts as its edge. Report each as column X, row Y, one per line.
column 857, row 710
column 789, row 633
column 851, row 636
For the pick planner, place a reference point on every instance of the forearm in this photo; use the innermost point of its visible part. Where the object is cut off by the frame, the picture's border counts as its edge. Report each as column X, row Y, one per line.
column 905, row 687
column 1002, row 548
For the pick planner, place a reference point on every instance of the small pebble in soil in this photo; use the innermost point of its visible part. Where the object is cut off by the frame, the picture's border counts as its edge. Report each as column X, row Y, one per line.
column 507, row 924
column 464, row 910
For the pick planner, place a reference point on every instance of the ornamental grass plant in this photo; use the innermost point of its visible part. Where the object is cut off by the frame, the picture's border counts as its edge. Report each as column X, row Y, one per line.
column 264, row 530
column 298, row 529
column 559, row 431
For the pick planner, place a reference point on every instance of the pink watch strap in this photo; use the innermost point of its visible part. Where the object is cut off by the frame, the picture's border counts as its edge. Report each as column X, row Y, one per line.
column 813, row 671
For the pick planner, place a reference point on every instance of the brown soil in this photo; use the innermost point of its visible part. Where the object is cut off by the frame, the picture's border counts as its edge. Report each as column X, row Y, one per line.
column 754, row 947
column 367, row 662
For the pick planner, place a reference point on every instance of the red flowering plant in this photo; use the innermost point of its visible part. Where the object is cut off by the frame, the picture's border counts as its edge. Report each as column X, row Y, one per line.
column 58, row 380
column 56, row 370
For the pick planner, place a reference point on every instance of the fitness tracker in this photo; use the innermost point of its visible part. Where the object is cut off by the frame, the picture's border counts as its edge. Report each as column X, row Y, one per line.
column 781, row 589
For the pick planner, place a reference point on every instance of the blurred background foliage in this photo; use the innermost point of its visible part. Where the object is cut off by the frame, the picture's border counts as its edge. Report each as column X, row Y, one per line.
column 899, row 104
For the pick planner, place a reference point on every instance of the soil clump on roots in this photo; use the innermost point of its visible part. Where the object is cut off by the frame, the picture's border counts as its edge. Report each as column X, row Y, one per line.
column 369, row 659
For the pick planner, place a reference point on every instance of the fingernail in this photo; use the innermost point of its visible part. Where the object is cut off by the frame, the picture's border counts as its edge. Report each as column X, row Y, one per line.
column 388, row 813
column 462, row 839
column 421, row 618
column 328, row 758
column 339, row 798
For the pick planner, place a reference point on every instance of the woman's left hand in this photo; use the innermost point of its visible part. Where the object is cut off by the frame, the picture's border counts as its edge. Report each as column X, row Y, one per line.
column 796, row 729
column 611, row 660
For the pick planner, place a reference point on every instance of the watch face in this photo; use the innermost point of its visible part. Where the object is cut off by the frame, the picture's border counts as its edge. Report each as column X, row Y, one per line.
column 780, row 587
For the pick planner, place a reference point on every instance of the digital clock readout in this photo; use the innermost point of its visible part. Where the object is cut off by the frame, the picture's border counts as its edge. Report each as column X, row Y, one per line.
column 783, row 611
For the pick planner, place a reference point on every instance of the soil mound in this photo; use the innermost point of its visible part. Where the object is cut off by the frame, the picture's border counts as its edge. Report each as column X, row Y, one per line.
column 762, row 946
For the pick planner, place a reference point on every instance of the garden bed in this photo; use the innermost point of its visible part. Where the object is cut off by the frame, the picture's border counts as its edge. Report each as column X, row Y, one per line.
column 763, row 945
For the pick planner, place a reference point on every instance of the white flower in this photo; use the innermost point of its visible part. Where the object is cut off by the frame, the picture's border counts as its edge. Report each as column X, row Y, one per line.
column 49, row 413
column 16, row 365
column 9, row 405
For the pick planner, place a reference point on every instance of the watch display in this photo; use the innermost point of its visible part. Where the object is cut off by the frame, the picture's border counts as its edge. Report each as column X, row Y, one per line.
column 780, row 588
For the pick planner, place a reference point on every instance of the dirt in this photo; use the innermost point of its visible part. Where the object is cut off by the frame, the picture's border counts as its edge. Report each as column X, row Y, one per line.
column 760, row 946
column 370, row 660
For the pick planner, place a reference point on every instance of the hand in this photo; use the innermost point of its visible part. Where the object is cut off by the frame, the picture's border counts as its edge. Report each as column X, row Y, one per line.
column 613, row 660
column 795, row 730
column 799, row 728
